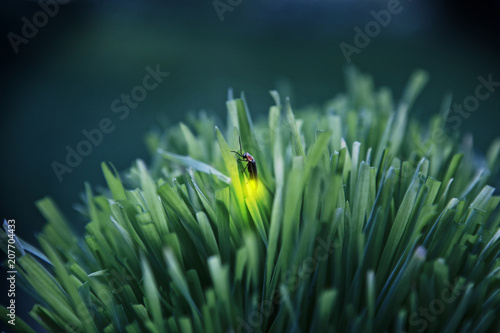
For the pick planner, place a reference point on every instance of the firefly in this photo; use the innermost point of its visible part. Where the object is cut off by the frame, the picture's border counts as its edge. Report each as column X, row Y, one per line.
column 251, row 164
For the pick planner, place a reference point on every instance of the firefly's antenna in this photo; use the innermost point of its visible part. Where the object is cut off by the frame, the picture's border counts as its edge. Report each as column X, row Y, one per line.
column 239, row 153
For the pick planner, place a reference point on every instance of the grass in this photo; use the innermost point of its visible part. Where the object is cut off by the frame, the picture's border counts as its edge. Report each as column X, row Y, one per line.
column 363, row 220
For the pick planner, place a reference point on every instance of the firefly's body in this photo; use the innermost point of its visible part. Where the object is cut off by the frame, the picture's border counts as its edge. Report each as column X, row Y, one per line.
column 251, row 164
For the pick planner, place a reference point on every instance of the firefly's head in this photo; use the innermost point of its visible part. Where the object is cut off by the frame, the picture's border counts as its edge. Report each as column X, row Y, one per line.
column 248, row 157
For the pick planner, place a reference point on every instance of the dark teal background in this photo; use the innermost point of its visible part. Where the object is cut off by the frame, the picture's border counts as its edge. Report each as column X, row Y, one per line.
column 65, row 79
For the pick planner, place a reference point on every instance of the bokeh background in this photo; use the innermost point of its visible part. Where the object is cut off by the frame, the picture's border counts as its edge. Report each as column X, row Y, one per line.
column 65, row 78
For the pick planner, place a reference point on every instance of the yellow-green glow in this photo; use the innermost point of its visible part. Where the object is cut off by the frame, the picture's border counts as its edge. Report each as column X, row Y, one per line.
column 253, row 189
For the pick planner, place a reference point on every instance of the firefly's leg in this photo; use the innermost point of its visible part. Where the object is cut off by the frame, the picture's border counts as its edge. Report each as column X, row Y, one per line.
column 240, row 155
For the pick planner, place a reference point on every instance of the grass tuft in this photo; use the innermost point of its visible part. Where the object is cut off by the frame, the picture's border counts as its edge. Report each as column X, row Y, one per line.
column 363, row 221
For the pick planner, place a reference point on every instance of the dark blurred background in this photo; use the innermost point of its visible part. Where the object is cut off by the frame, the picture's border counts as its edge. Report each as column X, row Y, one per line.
column 64, row 78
